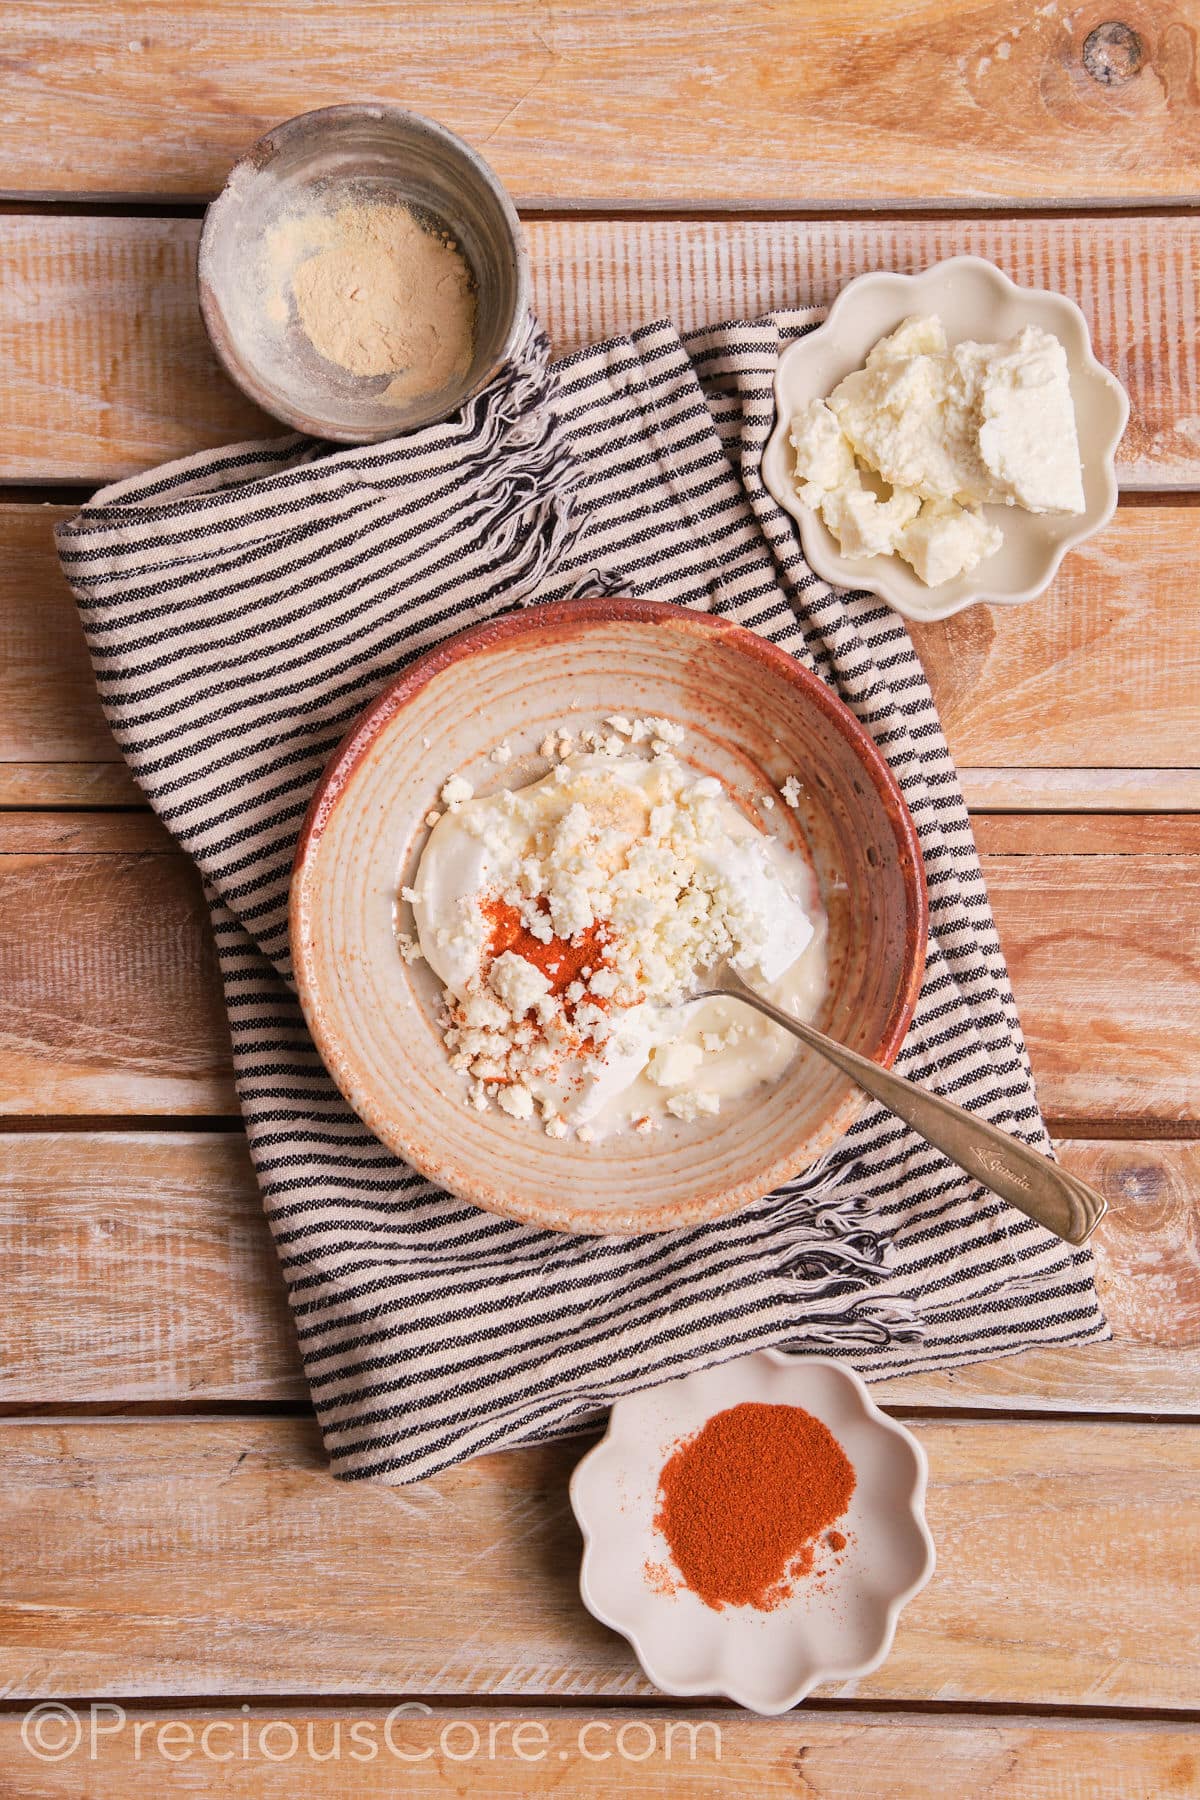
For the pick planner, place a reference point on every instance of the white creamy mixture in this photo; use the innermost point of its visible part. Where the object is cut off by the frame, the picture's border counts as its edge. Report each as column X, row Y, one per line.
column 905, row 452
column 570, row 919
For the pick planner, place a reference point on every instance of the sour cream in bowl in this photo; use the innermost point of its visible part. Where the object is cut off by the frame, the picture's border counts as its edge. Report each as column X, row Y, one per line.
column 516, row 870
column 570, row 920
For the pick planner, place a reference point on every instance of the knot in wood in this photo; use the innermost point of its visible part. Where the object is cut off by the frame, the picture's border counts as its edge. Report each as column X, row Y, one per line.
column 1112, row 53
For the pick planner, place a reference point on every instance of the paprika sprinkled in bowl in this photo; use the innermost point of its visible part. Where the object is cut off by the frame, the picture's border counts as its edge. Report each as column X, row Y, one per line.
column 744, row 1501
column 753, row 1529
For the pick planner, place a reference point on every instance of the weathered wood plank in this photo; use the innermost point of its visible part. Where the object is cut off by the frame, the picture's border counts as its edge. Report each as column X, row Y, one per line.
column 1026, row 694
column 109, row 997
column 1081, row 835
column 1102, row 670
column 109, row 1002
column 499, row 1753
column 1100, row 921
column 50, row 784
column 139, row 1267
column 1074, row 790
column 106, row 368
column 867, row 105
column 200, row 1557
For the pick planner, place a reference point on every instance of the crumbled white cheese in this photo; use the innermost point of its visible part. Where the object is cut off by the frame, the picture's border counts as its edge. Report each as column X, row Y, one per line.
column 906, row 416
column 456, row 791
column 905, row 450
column 863, row 524
column 691, row 1106
column 517, row 983
column 410, row 950
column 791, row 791
column 501, row 754
column 515, row 1100
column 767, row 802
column 823, row 453
column 945, row 540
column 638, row 855
column 555, row 1128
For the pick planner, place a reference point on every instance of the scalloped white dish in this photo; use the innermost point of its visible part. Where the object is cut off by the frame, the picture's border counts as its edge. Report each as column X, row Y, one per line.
column 838, row 1623
column 974, row 299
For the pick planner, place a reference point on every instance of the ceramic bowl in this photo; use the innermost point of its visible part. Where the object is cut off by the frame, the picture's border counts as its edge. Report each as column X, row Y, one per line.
column 752, row 716
column 320, row 160
column 974, row 299
column 839, row 1621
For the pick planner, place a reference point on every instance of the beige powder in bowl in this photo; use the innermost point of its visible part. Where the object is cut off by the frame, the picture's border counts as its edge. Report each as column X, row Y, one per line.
column 378, row 293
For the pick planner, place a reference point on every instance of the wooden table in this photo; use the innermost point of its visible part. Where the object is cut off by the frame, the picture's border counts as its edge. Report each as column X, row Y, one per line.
column 169, row 1538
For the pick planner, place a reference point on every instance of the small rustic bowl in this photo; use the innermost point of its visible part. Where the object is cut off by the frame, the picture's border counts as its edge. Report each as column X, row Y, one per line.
column 318, row 161
column 974, row 299
column 752, row 716
column 839, row 1622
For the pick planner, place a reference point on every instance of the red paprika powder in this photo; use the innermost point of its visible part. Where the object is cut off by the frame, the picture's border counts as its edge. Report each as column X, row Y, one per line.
column 742, row 1502
column 561, row 960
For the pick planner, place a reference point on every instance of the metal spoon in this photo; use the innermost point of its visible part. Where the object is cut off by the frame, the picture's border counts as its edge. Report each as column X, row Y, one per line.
column 1023, row 1177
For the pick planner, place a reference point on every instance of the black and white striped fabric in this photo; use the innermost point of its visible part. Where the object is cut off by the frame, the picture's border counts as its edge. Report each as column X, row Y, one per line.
column 241, row 607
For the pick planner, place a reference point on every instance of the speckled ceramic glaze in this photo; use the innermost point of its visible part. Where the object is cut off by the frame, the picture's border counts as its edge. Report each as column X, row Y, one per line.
column 752, row 716
column 839, row 1623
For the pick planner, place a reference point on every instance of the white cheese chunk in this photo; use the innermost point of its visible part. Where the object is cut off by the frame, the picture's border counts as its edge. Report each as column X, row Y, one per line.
column 915, row 336
column 692, row 1105
column 946, row 540
column 982, row 424
column 1027, row 433
column 865, row 525
column 905, row 419
column 673, row 1064
column 823, row 454
column 456, row 791
column 515, row 1100
column 517, row 983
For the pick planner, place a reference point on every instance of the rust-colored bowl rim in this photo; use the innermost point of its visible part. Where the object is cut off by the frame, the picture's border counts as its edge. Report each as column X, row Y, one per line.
column 548, row 621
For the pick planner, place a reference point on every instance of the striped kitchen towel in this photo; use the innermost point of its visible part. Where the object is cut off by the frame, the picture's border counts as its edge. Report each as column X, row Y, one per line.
column 240, row 608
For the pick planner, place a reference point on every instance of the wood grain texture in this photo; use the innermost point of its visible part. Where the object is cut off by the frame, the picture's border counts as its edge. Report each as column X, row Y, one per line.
column 200, row 1557
column 1103, row 669
column 139, row 1267
column 108, row 370
column 1072, row 790
column 585, row 100
column 1100, row 921
column 109, row 1000
column 1026, row 694
column 499, row 1753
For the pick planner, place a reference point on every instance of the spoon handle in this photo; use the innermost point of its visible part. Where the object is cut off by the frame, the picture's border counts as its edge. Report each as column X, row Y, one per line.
column 1024, row 1177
